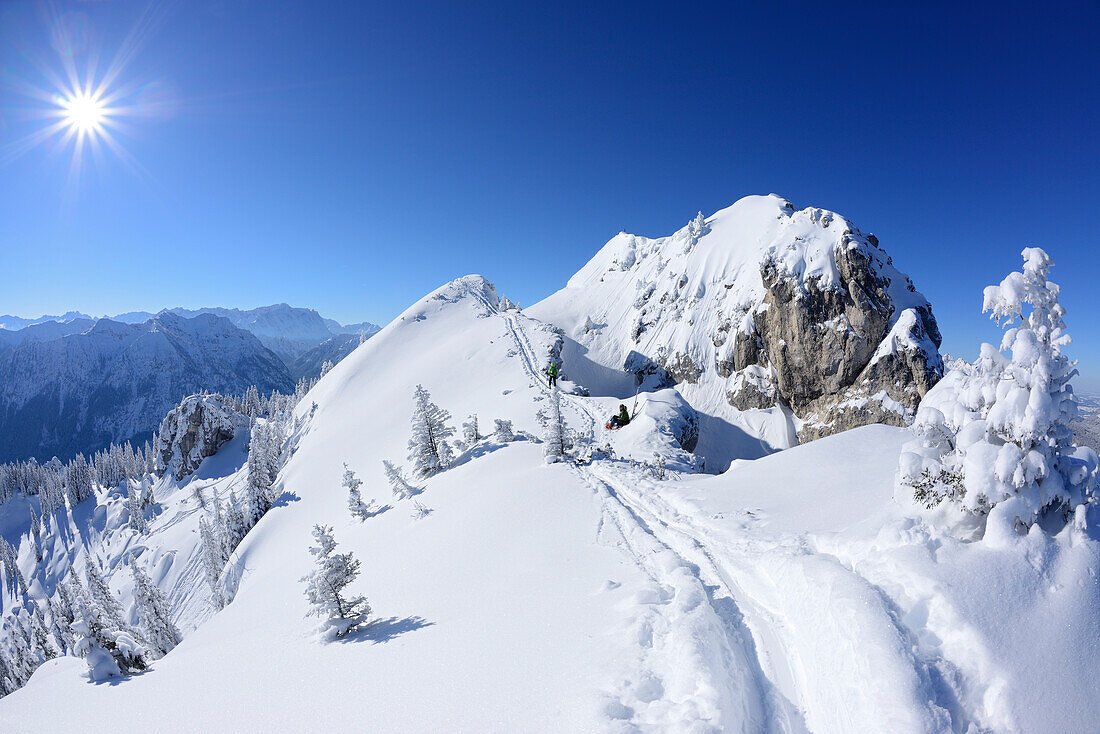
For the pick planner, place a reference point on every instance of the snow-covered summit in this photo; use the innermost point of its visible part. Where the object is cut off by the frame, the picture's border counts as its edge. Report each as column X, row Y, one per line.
column 760, row 304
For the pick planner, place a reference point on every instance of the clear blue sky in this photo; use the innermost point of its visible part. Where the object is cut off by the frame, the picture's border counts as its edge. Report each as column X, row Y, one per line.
column 353, row 156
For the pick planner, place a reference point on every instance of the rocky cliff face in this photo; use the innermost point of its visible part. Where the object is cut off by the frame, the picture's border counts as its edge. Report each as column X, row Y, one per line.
column 760, row 307
column 193, row 430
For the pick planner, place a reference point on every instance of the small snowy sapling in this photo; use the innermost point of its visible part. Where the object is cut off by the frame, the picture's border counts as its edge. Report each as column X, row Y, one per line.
column 356, row 505
column 325, row 586
column 402, row 489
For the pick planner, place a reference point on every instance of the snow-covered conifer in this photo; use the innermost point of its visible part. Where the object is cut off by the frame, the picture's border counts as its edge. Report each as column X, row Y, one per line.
column 503, row 431
column 61, row 617
column 470, row 432
column 429, row 451
column 326, row 367
column 154, row 612
column 235, row 523
column 402, row 488
column 79, row 483
column 996, row 433
column 554, row 432
column 147, row 497
column 21, row 660
column 39, row 635
column 251, row 404
column 133, row 506
column 259, row 476
column 8, row 683
column 658, row 469
column 325, row 585
column 99, row 593
column 108, row 650
column 212, row 562
column 356, row 505
column 420, row 510
column 36, row 533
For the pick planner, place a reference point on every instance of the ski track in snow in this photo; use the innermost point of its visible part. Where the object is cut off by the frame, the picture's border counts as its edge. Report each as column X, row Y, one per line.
column 756, row 680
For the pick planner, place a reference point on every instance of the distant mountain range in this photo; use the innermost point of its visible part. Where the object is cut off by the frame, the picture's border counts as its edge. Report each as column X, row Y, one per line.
column 73, row 383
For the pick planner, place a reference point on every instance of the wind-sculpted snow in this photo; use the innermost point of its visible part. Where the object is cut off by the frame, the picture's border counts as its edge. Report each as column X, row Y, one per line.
column 789, row 594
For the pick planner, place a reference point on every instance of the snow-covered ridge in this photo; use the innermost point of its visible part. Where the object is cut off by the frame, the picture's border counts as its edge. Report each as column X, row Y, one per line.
column 772, row 598
column 801, row 298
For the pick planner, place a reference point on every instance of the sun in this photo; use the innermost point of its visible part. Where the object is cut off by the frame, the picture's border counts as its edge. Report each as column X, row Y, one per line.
column 84, row 112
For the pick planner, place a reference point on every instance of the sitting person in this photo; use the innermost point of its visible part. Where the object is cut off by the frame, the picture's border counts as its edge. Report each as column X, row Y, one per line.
column 620, row 420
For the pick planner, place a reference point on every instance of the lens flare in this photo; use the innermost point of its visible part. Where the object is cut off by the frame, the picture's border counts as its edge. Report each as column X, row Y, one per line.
column 84, row 112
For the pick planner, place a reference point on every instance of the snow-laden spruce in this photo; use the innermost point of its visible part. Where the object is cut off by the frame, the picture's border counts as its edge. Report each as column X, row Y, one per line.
column 154, row 611
column 401, row 486
column 108, row 645
column 358, row 508
column 996, row 432
column 325, row 586
column 555, row 434
column 429, row 451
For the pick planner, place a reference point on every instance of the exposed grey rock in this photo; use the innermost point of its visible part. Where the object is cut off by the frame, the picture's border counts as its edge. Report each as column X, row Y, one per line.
column 192, row 431
column 753, row 388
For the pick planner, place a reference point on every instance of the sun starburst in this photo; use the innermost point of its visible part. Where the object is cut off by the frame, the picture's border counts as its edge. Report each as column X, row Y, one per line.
column 84, row 112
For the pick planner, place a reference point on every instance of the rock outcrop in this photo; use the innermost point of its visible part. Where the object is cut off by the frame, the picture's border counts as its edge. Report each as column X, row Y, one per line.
column 193, row 430
column 760, row 306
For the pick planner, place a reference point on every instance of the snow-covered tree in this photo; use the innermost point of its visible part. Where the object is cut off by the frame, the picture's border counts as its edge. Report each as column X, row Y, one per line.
column 147, row 497
column 61, row 617
column 260, row 476
column 326, row 367
column 36, row 535
column 79, row 484
column 402, row 488
column 21, row 660
column 41, row 644
column 8, row 683
column 236, row 525
column 99, row 593
column 11, row 568
column 470, row 432
column 356, row 505
column 995, row 434
column 658, row 469
column 325, row 585
column 420, row 510
column 108, row 650
column 429, row 451
column 554, row 431
column 154, row 612
column 251, row 403
column 133, row 505
column 503, row 431
column 213, row 561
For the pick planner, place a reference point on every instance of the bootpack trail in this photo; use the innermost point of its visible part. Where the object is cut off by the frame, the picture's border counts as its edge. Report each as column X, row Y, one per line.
column 765, row 662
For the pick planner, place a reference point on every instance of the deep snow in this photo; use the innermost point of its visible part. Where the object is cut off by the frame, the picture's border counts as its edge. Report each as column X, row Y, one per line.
column 790, row 593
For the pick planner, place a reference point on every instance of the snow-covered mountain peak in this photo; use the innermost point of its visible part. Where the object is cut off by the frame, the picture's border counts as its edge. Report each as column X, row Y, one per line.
column 760, row 304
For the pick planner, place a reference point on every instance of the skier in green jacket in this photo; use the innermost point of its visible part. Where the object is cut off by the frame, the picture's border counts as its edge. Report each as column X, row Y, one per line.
column 552, row 372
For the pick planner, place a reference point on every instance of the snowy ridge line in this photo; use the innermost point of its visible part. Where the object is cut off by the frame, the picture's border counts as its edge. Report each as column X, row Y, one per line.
column 795, row 699
column 739, row 696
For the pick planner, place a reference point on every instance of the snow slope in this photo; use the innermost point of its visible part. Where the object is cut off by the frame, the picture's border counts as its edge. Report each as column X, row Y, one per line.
column 788, row 594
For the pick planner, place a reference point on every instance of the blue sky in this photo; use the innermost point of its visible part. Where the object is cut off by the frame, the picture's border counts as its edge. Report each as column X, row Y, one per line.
column 353, row 156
